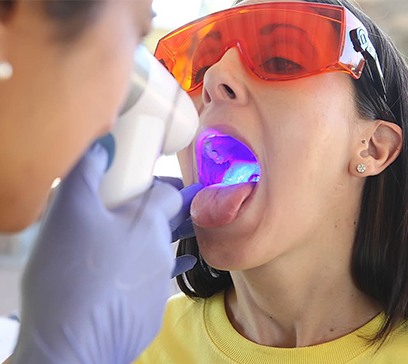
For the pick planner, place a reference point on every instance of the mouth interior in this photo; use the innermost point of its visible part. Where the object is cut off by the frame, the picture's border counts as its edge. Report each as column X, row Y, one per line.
column 224, row 159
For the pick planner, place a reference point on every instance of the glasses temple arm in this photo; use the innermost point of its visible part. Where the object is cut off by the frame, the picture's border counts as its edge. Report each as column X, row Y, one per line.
column 362, row 44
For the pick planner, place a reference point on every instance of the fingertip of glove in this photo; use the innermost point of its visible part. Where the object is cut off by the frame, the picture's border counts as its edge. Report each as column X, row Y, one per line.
column 174, row 181
column 108, row 143
column 184, row 263
column 97, row 158
column 169, row 195
column 192, row 189
column 184, row 231
column 91, row 167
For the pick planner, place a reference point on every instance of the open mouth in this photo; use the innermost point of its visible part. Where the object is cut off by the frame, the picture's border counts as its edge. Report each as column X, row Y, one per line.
column 223, row 159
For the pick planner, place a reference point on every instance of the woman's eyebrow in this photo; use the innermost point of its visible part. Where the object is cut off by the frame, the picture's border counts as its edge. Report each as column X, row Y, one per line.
column 302, row 33
column 267, row 29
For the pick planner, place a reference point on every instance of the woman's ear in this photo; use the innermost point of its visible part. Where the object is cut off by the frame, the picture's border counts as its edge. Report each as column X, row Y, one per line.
column 378, row 150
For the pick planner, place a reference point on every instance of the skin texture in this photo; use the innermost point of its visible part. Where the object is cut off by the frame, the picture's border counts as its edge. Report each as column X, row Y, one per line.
column 61, row 97
column 289, row 249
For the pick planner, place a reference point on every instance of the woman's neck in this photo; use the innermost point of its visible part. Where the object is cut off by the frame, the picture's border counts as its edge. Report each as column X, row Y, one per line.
column 294, row 302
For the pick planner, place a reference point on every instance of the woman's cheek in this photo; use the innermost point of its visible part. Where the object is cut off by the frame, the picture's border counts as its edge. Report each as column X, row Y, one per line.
column 197, row 99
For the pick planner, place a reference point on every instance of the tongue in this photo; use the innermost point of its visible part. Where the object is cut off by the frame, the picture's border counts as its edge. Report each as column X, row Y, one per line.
column 219, row 204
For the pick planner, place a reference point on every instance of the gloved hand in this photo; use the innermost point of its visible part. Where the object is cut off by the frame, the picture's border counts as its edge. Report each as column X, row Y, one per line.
column 95, row 287
column 181, row 225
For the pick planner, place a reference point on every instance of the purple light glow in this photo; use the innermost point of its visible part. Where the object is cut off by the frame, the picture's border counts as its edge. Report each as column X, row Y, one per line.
column 224, row 159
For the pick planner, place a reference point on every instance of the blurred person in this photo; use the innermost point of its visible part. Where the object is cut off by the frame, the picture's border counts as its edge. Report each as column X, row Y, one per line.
column 96, row 283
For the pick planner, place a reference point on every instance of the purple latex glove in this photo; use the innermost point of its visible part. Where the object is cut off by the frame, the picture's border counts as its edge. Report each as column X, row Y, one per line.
column 181, row 225
column 95, row 287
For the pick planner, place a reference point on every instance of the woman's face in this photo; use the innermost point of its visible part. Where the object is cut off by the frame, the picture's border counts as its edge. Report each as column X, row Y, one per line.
column 302, row 132
column 61, row 97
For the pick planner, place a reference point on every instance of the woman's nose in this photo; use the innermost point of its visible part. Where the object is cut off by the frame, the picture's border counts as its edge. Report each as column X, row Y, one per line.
column 224, row 81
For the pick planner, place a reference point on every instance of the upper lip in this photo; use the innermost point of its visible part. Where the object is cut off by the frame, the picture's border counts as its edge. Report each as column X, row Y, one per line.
column 231, row 131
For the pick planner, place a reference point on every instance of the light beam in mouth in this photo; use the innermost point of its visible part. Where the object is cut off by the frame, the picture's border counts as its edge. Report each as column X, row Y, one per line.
column 224, row 159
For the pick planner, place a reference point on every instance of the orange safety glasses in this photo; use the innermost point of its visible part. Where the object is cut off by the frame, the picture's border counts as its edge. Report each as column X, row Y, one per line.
column 278, row 41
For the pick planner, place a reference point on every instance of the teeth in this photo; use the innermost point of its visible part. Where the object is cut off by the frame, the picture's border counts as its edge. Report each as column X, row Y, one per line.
column 241, row 172
column 224, row 159
column 254, row 178
column 212, row 153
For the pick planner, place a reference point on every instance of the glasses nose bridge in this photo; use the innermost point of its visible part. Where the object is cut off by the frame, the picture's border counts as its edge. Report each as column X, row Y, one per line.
column 238, row 45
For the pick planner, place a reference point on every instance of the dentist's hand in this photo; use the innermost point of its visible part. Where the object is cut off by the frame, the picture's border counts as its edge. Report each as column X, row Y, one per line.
column 181, row 225
column 95, row 287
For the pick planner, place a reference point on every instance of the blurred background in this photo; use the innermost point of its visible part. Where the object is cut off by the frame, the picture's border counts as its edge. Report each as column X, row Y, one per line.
column 391, row 15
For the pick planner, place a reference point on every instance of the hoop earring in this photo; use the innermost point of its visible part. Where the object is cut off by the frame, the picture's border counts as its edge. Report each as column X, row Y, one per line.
column 6, row 70
column 361, row 168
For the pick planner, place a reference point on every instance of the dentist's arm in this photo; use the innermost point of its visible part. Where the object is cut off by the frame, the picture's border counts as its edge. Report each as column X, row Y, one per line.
column 95, row 287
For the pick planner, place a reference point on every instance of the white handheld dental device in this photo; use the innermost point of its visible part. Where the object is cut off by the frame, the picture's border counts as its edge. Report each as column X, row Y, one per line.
column 157, row 118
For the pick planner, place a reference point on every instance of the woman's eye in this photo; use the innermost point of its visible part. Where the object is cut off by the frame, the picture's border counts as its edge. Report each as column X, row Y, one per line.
column 279, row 65
column 198, row 74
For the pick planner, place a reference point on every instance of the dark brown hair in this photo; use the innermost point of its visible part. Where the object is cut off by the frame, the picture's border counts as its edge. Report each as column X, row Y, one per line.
column 69, row 16
column 379, row 263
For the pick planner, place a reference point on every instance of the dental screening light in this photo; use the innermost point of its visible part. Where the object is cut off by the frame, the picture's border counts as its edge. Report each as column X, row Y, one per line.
column 222, row 159
column 158, row 118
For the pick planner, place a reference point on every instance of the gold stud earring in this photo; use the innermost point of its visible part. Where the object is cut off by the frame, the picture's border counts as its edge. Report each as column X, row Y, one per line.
column 6, row 70
column 361, row 168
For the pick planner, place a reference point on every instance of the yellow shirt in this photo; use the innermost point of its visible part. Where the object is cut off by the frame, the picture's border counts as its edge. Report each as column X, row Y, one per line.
column 196, row 332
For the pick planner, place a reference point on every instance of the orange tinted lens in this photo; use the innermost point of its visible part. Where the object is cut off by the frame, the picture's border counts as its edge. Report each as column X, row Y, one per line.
column 277, row 41
column 288, row 44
